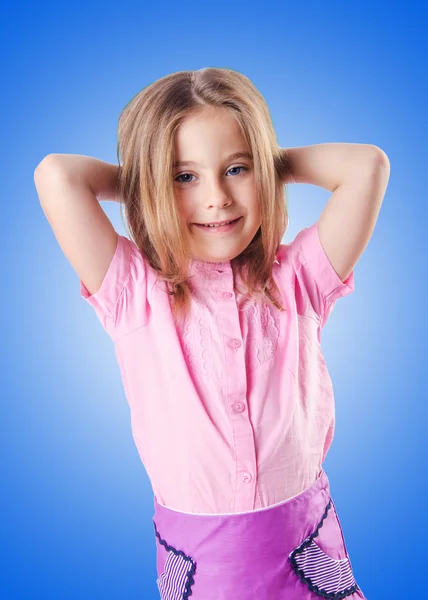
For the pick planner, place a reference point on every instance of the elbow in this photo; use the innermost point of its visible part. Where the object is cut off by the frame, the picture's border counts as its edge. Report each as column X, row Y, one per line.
column 46, row 161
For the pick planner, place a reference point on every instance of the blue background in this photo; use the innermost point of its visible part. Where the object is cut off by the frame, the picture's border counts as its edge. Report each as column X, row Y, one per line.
column 76, row 502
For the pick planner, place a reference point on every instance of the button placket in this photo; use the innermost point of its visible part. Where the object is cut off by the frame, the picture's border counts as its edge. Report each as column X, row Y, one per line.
column 246, row 477
column 235, row 344
column 235, row 387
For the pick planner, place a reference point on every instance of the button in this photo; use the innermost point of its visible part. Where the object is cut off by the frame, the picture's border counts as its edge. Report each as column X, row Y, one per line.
column 227, row 295
column 238, row 407
column 246, row 478
column 235, row 344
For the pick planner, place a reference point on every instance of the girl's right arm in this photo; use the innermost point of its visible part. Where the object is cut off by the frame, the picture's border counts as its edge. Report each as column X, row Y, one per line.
column 69, row 187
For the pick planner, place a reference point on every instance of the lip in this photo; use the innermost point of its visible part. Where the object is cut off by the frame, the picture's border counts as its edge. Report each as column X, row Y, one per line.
column 220, row 229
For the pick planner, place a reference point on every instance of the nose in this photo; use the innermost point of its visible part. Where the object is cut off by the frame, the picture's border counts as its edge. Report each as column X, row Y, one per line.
column 218, row 198
column 219, row 202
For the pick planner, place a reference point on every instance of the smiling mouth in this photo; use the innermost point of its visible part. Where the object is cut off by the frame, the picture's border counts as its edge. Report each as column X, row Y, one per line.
column 229, row 227
column 214, row 226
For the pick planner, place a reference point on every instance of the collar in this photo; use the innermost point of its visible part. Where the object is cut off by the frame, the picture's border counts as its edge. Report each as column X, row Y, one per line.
column 211, row 271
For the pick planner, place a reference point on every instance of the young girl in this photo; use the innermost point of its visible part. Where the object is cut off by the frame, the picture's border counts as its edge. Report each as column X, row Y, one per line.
column 217, row 327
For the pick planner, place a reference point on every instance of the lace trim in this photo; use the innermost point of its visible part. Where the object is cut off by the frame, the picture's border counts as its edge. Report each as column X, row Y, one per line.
column 323, row 570
column 204, row 338
column 189, row 575
column 269, row 332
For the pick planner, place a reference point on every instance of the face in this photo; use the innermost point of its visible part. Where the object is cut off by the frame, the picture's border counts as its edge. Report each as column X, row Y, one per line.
column 213, row 187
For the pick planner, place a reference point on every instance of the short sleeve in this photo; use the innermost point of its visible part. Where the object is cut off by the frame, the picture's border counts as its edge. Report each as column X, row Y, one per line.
column 121, row 302
column 318, row 286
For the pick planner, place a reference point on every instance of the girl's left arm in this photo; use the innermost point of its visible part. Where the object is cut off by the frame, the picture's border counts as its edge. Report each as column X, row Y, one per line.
column 357, row 175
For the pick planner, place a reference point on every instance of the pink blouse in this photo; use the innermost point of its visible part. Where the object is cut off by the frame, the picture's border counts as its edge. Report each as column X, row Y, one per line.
column 234, row 410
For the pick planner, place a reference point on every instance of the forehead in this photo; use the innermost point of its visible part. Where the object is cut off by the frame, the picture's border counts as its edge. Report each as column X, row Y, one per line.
column 208, row 135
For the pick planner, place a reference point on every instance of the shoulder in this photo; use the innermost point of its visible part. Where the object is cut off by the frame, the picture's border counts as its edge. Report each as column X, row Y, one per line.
column 316, row 283
column 305, row 241
column 122, row 301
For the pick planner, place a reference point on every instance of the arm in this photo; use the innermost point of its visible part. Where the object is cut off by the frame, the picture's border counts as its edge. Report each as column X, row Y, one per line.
column 358, row 175
column 100, row 176
column 68, row 187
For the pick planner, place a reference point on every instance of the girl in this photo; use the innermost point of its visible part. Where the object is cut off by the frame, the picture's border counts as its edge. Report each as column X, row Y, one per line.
column 217, row 327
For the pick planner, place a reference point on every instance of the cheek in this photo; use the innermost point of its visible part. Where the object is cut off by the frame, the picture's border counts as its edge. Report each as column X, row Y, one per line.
column 256, row 212
column 185, row 207
column 183, row 210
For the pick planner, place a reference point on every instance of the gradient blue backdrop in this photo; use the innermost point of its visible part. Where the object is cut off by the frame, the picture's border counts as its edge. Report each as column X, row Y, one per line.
column 76, row 502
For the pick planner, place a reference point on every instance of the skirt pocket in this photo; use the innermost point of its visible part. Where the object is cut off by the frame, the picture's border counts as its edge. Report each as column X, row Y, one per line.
column 176, row 577
column 321, row 561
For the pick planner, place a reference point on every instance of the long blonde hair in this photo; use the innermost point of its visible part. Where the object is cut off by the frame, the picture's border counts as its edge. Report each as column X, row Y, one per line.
column 146, row 155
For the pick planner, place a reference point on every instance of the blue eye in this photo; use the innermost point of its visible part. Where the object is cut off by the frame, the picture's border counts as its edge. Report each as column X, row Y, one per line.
column 186, row 182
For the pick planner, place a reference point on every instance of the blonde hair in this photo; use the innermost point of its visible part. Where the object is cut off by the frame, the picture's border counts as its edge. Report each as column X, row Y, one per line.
column 146, row 140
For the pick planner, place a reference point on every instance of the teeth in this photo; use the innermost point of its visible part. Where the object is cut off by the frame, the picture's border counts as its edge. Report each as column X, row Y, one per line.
column 219, row 225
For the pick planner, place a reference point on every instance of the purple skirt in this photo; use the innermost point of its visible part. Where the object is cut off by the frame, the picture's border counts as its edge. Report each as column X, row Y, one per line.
column 294, row 550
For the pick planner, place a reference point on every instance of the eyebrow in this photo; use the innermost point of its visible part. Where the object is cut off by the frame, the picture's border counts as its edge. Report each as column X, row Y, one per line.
column 185, row 163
